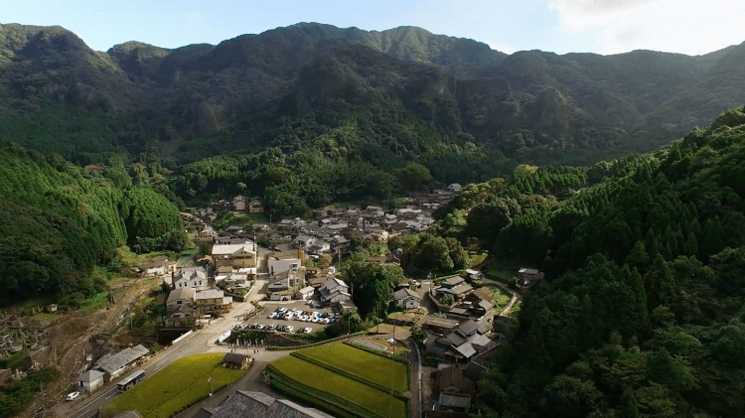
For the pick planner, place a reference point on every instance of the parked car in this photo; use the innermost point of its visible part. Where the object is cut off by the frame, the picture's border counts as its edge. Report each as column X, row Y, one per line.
column 308, row 330
column 283, row 310
column 288, row 328
column 271, row 327
column 72, row 395
column 260, row 326
column 289, row 316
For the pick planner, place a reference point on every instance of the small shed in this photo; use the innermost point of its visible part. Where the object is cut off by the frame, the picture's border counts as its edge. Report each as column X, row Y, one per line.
column 91, row 380
column 305, row 293
column 235, row 361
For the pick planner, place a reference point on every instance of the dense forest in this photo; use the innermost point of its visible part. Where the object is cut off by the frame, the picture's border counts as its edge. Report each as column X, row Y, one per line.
column 641, row 313
column 60, row 221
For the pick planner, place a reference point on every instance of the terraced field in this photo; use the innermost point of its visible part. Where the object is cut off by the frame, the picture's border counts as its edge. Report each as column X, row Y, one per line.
column 172, row 389
column 358, row 363
column 343, row 380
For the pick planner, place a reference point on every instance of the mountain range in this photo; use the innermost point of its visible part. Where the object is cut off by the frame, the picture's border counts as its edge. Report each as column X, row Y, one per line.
column 575, row 100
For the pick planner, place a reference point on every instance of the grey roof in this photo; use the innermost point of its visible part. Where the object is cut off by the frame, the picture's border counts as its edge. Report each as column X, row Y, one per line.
column 454, row 281
column 457, row 290
column 204, row 413
column 468, row 327
column 210, row 294
column 184, row 293
column 90, row 376
column 466, row 350
column 479, row 341
column 455, row 400
column 404, row 293
column 441, row 322
column 241, row 404
column 122, row 359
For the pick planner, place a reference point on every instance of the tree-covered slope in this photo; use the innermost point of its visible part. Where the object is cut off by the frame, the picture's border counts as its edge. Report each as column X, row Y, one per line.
column 641, row 313
column 59, row 221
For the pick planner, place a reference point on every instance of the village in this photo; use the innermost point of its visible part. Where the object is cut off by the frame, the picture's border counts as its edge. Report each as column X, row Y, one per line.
column 290, row 286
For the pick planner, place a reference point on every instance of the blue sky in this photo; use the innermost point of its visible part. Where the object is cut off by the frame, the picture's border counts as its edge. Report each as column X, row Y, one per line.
column 561, row 26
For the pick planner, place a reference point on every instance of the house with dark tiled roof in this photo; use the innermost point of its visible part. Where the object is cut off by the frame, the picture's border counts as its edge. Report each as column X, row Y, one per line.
column 407, row 298
column 462, row 342
column 243, row 404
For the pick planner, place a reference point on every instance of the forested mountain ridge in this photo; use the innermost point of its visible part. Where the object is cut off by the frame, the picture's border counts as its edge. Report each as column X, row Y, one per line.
column 61, row 223
column 641, row 313
column 533, row 105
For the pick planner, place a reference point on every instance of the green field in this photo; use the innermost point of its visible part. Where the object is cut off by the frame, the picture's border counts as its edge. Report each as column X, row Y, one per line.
column 360, row 364
column 324, row 387
column 177, row 386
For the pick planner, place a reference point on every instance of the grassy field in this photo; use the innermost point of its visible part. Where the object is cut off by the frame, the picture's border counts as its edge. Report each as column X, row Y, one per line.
column 501, row 296
column 318, row 383
column 175, row 387
column 366, row 366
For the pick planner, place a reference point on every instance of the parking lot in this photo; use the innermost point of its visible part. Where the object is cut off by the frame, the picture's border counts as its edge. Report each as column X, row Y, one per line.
column 296, row 324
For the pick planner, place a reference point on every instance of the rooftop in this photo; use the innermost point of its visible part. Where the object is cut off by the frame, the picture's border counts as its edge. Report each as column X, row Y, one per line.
column 230, row 249
column 241, row 404
column 209, row 294
column 183, row 293
column 122, row 359
column 90, row 376
column 454, row 400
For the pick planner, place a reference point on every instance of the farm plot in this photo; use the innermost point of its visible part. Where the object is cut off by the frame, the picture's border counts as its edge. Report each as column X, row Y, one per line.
column 177, row 386
column 361, row 365
column 333, row 390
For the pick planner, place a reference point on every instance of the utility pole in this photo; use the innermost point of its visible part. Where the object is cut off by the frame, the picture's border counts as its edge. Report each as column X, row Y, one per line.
column 393, row 362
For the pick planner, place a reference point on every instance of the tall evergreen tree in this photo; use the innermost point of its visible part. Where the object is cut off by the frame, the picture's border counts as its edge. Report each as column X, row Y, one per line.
column 691, row 246
column 651, row 244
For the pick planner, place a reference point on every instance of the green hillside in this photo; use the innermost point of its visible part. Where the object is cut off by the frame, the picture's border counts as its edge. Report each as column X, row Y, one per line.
column 641, row 314
column 59, row 221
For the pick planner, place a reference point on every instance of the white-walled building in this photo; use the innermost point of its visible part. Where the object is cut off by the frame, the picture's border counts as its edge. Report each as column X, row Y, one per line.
column 278, row 266
column 193, row 277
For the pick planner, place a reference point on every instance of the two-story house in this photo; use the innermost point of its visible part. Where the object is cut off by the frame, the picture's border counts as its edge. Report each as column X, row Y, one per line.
column 281, row 265
column 256, row 205
column 193, row 277
column 334, row 290
column 235, row 256
column 213, row 302
column 239, row 203
column 181, row 306
column 287, row 280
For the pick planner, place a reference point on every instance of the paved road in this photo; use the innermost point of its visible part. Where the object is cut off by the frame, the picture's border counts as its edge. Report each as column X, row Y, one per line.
column 199, row 342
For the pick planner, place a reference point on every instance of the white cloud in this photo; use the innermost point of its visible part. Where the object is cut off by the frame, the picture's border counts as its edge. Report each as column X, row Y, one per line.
column 197, row 22
column 502, row 47
column 687, row 26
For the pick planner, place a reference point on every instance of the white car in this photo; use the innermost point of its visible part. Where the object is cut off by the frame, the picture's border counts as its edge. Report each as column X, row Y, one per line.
column 288, row 328
column 289, row 316
column 283, row 310
column 72, row 395
column 308, row 330
column 260, row 326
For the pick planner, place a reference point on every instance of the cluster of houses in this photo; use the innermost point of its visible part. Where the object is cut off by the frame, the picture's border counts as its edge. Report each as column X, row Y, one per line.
column 110, row 367
column 198, row 293
column 332, row 228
